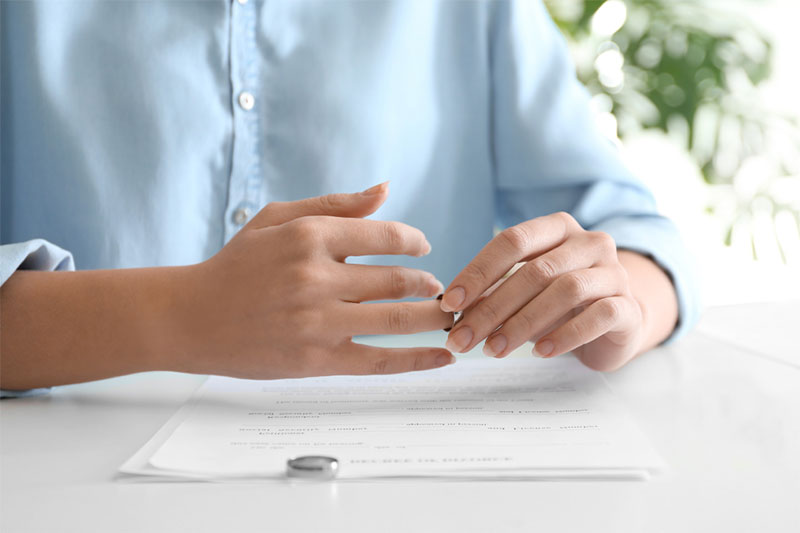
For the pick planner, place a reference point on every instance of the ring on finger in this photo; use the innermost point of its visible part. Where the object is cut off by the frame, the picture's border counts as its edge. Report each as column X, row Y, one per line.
column 457, row 316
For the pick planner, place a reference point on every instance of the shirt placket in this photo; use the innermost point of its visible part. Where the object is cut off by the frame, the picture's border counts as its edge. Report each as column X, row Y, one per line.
column 245, row 178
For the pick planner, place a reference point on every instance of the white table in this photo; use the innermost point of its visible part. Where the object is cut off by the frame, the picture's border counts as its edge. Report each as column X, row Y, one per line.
column 726, row 419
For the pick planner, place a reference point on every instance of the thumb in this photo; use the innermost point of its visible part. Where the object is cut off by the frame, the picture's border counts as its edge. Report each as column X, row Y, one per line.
column 356, row 205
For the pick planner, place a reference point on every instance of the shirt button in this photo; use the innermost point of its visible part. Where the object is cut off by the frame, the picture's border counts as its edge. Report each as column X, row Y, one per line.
column 247, row 101
column 241, row 215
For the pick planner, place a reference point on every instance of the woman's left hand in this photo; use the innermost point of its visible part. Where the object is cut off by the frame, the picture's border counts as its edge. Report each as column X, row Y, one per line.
column 572, row 294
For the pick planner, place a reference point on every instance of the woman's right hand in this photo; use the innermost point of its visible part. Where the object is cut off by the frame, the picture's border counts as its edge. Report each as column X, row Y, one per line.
column 279, row 301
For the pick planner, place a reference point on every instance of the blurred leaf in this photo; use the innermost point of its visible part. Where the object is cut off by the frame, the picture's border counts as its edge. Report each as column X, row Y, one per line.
column 681, row 56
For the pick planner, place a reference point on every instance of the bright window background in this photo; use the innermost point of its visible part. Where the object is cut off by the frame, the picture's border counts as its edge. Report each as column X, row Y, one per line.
column 762, row 261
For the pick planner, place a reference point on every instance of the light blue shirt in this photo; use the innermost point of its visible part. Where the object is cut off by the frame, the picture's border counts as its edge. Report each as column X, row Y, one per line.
column 145, row 133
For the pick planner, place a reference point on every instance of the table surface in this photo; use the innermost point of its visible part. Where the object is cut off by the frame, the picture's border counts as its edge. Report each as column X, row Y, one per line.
column 724, row 415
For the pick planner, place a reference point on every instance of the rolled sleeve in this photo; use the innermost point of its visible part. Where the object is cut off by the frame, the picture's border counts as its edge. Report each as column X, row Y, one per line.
column 626, row 210
column 658, row 239
column 36, row 254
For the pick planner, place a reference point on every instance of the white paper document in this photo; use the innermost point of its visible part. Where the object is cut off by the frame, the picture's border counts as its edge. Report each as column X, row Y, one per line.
column 513, row 418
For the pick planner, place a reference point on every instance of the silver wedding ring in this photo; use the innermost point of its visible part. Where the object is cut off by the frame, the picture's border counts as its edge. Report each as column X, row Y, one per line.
column 456, row 315
column 312, row 467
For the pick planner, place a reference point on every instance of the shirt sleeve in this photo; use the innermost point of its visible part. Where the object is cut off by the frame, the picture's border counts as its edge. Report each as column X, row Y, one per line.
column 36, row 254
column 550, row 155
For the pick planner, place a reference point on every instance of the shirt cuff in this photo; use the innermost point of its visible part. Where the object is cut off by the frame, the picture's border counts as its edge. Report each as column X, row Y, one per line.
column 657, row 238
column 36, row 254
column 4, row 394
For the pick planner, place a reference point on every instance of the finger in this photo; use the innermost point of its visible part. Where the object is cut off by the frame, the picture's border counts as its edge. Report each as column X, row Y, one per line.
column 460, row 316
column 488, row 292
column 392, row 318
column 512, row 245
column 356, row 205
column 527, row 283
column 359, row 359
column 601, row 317
column 574, row 289
column 558, row 323
column 345, row 237
column 362, row 283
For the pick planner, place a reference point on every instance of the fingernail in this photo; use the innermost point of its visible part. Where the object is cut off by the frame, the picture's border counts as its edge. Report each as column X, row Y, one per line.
column 459, row 339
column 428, row 249
column 495, row 345
column 375, row 189
column 543, row 348
column 453, row 299
column 445, row 359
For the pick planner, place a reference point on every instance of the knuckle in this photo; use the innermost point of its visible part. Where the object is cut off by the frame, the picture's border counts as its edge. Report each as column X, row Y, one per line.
column 575, row 330
column 380, row 365
column 305, row 231
column 400, row 318
column 398, row 282
column 515, row 237
column 271, row 209
column 393, row 235
column 603, row 241
column 488, row 313
column 521, row 325
column 566, row 219
column 538, row 270
column 331, row 202
column 476, row 272
column 575, row 285
column 610, row 308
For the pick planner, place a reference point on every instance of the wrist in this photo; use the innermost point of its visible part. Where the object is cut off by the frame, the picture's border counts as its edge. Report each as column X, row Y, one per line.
column 69, row 327
column 169, row 318
column 652, row 290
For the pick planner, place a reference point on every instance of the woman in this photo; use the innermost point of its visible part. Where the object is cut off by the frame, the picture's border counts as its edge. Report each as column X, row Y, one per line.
column 144, row 139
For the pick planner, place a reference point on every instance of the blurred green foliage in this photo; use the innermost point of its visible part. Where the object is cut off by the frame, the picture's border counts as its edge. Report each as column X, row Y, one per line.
column 690, row 69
